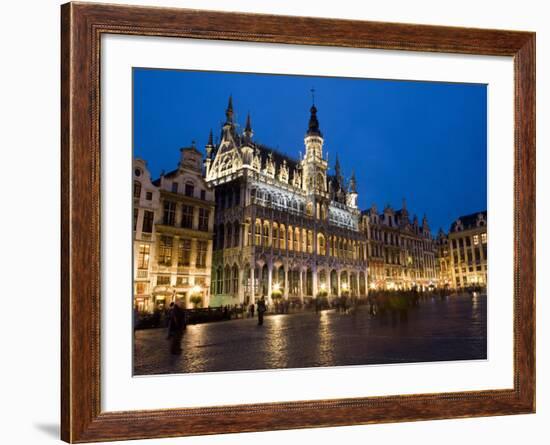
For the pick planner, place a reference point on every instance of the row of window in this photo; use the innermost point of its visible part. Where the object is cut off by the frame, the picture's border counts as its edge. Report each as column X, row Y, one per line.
column 469, row 240
column 187, row 216
column 166, row 249
column 396, row 240
column 188, row 190
column 278, row 236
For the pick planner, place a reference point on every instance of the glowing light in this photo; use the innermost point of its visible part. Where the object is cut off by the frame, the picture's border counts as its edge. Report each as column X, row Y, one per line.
column 276, row 286
column 196, row 289
column 323, row 286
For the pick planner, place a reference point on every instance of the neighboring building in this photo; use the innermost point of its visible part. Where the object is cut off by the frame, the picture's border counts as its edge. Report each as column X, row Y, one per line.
column 146, row 207
column 284, row 226
column 443, row 261
column 468, row 250
column 401, row 253
column 175, row 254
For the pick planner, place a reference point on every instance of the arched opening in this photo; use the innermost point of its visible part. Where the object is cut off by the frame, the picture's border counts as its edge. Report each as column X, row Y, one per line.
column 264, row 281
column 323, row 282
column 308, row 284
column 227, row 280
column 362, row 284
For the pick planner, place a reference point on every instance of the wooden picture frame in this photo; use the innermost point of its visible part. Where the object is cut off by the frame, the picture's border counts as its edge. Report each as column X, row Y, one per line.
column 82, row 26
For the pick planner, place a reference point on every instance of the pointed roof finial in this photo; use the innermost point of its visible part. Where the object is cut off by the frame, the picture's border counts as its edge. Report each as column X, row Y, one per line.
column 210, row 139
column 229, row 110
column 313, row 129
column 248, row 127
column 353, row 183
column 338, row 169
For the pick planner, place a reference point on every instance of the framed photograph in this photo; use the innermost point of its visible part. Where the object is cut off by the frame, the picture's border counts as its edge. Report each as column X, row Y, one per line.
column 275, row 222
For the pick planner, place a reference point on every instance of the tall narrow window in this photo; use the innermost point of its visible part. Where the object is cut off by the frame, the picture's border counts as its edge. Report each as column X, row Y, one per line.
column 201, row 254
column 174, row 187
column 321, row 248
column 236, row 234
column 282, row 237
column 184, row 253
column 204, row 215
column 189, row 189
column 275, row 235
column 290, row 238
column 143, row 256
column 258, row 233
column 165, row 251
column 266, row 234
column 148, row 217
column 187, row 217
column 235, row 279
column 137, row 189
column 136, row 214
column 169, row 217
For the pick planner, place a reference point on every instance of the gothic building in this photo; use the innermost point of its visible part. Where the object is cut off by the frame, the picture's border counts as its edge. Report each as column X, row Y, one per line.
column 284, row 227
column 401, row 252
column 173, row 231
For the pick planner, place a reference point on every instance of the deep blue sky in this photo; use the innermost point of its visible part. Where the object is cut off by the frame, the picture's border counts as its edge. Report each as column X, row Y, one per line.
column 423, row 141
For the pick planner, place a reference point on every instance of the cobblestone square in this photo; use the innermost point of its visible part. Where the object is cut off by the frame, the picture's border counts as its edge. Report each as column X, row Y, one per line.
column 439, row 329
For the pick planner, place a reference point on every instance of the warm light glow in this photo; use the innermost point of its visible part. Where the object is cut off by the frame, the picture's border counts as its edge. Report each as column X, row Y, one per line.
column 372, row 286
column 196, row 289
column 323, row 286
column 276, row 287
column 344, row 286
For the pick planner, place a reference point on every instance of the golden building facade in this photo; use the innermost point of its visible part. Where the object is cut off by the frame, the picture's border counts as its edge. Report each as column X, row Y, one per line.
column 284, row 227
column 173, row 235
column 401, row 252
column 467, row 241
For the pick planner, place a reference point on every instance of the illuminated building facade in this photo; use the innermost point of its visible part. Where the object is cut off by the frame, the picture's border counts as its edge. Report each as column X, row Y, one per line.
column 284, row 227
column 401, row 252
column 467, row 241
column 173, row 235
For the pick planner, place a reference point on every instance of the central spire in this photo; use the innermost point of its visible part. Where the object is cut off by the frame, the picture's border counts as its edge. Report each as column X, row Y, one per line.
column 313, row 129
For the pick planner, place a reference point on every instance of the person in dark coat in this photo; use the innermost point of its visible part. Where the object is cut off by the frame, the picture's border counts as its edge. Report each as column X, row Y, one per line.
column 176, row 325
column 261, row 310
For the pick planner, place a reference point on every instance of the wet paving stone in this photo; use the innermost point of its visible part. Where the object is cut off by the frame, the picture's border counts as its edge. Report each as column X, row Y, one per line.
column 454, row 328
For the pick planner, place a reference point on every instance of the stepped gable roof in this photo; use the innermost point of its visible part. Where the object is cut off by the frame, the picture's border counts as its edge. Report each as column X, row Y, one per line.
column 468, row 221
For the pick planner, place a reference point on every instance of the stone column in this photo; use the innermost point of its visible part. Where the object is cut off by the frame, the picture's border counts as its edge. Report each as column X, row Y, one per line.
column 338, row 281
column 286, row 283
column 252, row 287
column 301, row 293
column 314, row 280
column 241, row 285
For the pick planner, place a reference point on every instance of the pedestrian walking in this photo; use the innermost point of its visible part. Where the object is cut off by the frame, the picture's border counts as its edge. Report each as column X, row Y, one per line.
column 176, row 325
column 261, row 310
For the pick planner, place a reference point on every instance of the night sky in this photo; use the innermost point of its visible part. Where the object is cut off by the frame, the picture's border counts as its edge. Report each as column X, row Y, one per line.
column 423, row 141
